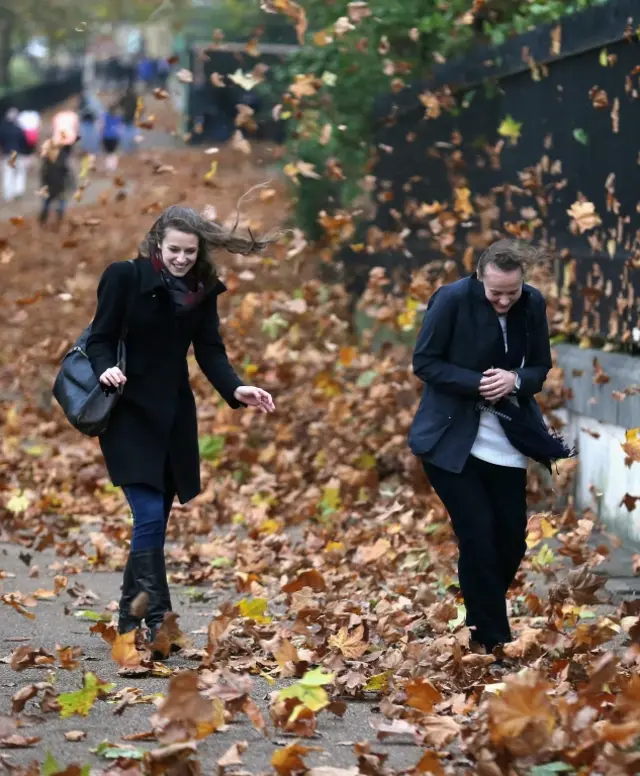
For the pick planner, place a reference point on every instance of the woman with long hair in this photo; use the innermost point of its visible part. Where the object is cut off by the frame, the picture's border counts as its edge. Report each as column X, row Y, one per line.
column 169, row 296
column 483, row 354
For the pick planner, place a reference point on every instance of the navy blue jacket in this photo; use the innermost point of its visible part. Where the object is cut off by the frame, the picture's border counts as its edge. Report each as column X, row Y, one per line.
column 12, row 138
column 452, row 352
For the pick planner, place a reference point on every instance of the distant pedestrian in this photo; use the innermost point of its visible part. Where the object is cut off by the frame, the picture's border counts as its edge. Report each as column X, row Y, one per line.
column 66, row 128
column 56, row 178
column 112, row 127
column 129, row 107
column 13, row 147
column 29, row 122
column 162, row 72
column 89, row 109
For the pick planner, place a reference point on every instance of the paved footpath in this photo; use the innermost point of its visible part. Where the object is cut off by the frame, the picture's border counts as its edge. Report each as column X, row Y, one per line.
column 55, row 624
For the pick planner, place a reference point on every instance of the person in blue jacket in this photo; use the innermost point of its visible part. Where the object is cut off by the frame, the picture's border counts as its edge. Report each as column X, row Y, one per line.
column 112, row 129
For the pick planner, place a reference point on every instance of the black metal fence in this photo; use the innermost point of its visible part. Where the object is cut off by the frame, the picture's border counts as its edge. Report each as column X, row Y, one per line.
column 44, row 95
column 568, row 95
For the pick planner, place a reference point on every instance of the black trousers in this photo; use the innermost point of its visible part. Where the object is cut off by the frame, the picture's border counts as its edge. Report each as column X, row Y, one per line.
column 488, row 509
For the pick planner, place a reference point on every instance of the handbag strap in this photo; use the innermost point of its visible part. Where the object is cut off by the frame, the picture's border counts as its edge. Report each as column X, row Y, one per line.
column 131, row 300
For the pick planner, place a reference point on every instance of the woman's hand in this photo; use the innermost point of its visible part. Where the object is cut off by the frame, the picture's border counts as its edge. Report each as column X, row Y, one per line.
column 113, row 376
column 496, row 384
column 255, row 397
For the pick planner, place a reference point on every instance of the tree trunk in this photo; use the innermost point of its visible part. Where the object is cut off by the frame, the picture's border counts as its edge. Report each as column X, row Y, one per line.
column 7, row 24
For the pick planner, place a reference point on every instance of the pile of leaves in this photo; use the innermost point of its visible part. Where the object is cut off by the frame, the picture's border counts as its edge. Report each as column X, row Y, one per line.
column 334, row 559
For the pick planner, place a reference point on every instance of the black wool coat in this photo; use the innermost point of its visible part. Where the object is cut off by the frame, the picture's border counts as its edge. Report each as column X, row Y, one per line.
column 153, row 424
column 455, row 346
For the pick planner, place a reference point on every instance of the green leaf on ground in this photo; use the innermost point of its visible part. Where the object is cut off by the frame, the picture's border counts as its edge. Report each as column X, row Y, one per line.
column 89, row 614
column 366, row 379
column 112, row 751
column 81, row 701
column 309, row 691
column 211, row 446
column 550, row 768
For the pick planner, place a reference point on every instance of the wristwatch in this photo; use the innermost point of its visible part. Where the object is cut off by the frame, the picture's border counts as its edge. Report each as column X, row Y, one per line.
column 518, row 383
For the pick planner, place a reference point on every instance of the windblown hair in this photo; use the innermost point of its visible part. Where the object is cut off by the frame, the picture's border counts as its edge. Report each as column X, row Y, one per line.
column 211, row 235
column 509, row 255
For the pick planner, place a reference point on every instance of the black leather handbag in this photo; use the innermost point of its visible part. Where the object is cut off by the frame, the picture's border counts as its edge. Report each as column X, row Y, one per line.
column 84, row 400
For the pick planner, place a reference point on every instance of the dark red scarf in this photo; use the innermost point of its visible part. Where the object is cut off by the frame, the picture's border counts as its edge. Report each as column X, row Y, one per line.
column 186, row 293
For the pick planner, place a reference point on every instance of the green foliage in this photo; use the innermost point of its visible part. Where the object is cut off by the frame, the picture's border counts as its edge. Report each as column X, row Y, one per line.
column 211, row 446
column 50, row 767
column 397, row 43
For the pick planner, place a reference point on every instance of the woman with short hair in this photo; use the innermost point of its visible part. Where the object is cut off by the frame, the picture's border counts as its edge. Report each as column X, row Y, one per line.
column 483, row 354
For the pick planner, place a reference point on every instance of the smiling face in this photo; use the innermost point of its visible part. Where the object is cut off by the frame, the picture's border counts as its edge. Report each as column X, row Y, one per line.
column 179, row 251
column 502, row 289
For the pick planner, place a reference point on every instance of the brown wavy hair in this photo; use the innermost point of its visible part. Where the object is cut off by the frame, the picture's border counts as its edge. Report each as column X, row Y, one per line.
column 211, row 235
column 508, row 255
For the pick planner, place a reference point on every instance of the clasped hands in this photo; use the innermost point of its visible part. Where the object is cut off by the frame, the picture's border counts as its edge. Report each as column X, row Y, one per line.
column 496, row 384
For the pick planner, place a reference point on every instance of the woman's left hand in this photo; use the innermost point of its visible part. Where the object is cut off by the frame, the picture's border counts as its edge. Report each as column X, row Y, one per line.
column 255, row 397
column 496, row 384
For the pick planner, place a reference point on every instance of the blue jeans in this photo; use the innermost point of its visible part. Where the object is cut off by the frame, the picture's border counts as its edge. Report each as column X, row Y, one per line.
column 89, row 137
column 46, row 205
column 150, row 508
column 128, row 138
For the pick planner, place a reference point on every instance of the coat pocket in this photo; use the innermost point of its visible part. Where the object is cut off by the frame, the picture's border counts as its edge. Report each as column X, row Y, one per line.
column 427, row 430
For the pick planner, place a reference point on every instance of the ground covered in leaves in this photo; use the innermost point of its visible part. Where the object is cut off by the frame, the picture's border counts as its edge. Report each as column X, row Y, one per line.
column 315, row 574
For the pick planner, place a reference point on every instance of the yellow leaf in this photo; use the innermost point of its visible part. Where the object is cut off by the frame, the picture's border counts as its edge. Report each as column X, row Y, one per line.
column 212, row 171
column 255, row 610
column 510, row 128
column 378, row 682
column 331, row 498
column 367, row 461
column 18, row 503
column 544, row 557
column 270, row 527
column 548, row 531
column 463, row 204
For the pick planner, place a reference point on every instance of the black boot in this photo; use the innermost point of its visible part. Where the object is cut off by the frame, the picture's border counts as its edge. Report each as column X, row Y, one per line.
column 150, row 577
column 126, row 621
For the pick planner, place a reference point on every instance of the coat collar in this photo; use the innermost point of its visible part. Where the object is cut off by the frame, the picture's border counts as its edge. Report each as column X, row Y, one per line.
column 150, row 280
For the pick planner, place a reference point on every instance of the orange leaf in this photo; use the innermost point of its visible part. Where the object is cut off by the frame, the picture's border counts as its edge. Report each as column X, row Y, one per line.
column 289, row 759
column 124, row 651
column 422, row 695
column 309, row 578
column 347, row 355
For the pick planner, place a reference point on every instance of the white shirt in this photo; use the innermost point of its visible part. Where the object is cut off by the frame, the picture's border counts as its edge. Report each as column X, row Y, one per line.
column 491, row 443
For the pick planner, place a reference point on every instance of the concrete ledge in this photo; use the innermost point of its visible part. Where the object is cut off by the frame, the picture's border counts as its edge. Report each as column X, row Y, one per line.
column 595, row 400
